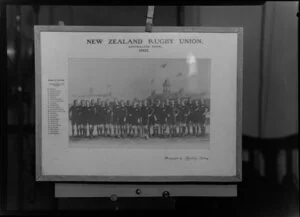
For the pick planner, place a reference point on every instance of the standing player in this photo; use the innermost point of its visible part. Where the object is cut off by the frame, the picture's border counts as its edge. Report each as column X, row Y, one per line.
column 197, row 116
column 176, row 118
column 139, row 127
column 109, row 115
column 174, row 114
column 88, row 114
column 84, row 118
column 189, row 116
column 144, row 119
column 78, row 111
column 184, row 112
column 116, row 113
column 127, row 123
column 98, row 113
column 122, row 119
column 163, row 119
column 101, row 118
column 92, row 118
column 118, row 127
column 130, row 119
column 194, row 115
column 73, row 115
column 135, row 118
column 179, row 117
column 101, row 112
column 187, row 113
column 151, row 118
column 157, row 114
column 114, row 120
column 202, row 118
column 80, row 118
column 169, row 117
column 106, row 117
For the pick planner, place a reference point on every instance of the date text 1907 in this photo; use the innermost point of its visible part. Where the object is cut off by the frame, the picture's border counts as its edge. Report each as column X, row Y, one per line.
column 144, row 50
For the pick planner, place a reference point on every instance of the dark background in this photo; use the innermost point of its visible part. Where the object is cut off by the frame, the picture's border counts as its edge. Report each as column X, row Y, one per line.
column 270, row 99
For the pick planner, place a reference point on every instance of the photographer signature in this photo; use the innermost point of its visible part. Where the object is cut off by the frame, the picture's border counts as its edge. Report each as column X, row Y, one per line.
column 186, row 158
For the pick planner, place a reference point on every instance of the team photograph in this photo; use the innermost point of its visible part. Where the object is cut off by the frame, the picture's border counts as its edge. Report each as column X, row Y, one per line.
column 139, row 102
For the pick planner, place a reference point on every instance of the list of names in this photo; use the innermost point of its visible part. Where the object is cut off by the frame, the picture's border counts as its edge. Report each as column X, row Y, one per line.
column 55, row 87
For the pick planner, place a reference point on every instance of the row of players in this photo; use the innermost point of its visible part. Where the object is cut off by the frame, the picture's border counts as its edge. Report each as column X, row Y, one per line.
column 138, row 118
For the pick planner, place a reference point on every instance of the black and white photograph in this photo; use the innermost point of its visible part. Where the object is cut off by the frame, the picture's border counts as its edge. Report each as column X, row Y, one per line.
column 166, row 105
column 139, row 102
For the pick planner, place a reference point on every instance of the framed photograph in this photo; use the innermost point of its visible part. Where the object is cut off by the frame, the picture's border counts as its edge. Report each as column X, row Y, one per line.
column 117, row 104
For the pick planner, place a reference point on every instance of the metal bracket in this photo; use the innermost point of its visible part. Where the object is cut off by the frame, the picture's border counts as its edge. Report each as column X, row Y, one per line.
column 61, row 23
column 149, row 19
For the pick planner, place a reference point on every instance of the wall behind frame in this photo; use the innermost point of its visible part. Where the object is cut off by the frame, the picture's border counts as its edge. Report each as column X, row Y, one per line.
column 250, row 18
column 270, row 59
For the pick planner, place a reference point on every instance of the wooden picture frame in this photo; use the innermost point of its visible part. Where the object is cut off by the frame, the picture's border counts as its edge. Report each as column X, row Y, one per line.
column 43, row 167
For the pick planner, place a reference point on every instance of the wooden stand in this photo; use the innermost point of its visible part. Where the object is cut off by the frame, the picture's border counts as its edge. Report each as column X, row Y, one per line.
column 114, row 191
